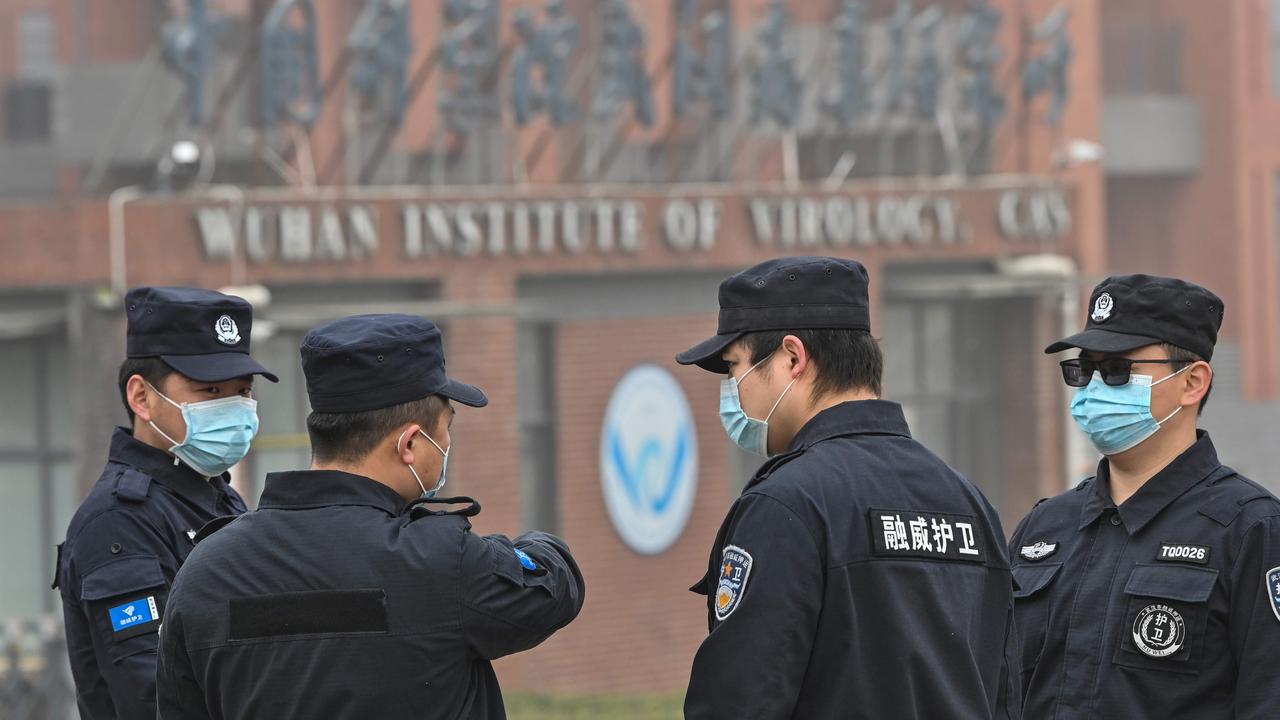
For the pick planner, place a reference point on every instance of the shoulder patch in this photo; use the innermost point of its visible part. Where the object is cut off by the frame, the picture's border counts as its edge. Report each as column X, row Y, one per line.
column 133, row 485
column 1273, row 590
column 735, row 569
column 136, row 617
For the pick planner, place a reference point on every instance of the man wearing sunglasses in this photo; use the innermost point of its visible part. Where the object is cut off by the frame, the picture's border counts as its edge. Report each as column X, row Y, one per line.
column 1152, row 589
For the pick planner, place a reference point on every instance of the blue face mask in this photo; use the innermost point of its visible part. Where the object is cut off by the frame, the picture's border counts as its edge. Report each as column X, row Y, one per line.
column 747, row 433
column 1118, row 418
column 219, row 433
column 443, row 468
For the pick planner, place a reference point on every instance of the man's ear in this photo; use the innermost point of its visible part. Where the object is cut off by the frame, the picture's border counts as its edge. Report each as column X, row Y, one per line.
column 140, row 398
column 405, row 442
column 797, row 356
column 1196, row 385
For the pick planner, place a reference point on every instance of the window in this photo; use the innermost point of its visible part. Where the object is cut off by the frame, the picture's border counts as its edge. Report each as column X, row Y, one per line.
column 38, row 493
column 36, row 50
column 28, row 111
column 942, row 364
column 1275, row 46
column 28, row 98
column 537, row 391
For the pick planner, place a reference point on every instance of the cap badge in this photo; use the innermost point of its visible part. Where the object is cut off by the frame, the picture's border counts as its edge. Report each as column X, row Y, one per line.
column 228, row 333
column 1102, row 308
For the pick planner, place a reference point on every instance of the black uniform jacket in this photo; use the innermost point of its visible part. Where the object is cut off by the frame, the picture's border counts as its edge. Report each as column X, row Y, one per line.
column 1165, row 607
column 329, row 601
column 857, row 577
column 123, row 548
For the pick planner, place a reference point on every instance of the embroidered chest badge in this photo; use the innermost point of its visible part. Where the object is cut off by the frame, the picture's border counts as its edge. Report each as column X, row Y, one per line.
column 1159, row 631
column 1039, row 550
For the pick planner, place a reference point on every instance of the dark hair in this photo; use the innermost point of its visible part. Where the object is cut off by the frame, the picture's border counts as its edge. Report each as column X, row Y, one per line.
column 152, row 369
column 350, row 437
column 1182, row 358
column 845, row 359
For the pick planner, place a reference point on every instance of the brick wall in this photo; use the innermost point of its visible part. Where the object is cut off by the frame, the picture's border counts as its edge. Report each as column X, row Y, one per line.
column 640, row 625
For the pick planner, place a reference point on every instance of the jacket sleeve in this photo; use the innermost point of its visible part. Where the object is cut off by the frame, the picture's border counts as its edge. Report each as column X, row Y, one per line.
column 765, row 598
column 120, row 590
column 178, row 695
column 1255, row 621
column 92, row 694
column 514, row 595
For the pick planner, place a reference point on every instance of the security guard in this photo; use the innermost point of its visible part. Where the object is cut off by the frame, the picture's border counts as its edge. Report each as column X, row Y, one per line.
column 1151, row 590
column 336, row 600
column 187, row 385
column 857, row 576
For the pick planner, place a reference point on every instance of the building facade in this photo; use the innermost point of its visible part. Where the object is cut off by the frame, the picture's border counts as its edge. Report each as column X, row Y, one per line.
column 562, row 186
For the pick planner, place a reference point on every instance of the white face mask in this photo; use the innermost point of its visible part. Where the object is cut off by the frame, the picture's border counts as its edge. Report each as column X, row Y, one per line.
column 443, row 468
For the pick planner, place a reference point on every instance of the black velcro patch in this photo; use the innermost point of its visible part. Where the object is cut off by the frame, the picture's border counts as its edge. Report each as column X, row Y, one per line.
column 309, row 613
column 928, row 535
column 1179, row 552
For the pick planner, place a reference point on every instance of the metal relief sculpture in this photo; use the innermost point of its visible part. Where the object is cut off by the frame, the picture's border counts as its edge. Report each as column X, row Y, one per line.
column 1047, row 72
column 700, row 73
column 848, row 99
column 289, row 65
column 623, row 78
column 469, row 54
column 381, row 49
column 979, row 56
column 540, row 66
column 776, row 87
column 189, row 49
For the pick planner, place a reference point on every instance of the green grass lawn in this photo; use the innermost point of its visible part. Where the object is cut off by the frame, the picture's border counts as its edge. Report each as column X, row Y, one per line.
column 525, row 706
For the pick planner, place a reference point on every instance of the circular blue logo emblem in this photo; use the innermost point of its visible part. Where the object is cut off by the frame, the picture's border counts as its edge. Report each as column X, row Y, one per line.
column 648, row 459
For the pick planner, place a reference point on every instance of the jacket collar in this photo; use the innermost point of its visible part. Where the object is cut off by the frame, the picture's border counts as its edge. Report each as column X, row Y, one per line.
column 859, row 417
column 1186, row 471
column 167, row 470
column 302, row 489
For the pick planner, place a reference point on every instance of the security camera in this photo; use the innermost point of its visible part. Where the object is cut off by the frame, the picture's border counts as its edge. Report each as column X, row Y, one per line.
column 178, row 168
column 185, row 152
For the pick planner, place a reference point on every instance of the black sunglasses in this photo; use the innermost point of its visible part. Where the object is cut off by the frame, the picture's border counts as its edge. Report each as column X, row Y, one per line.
column 1077, row 372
